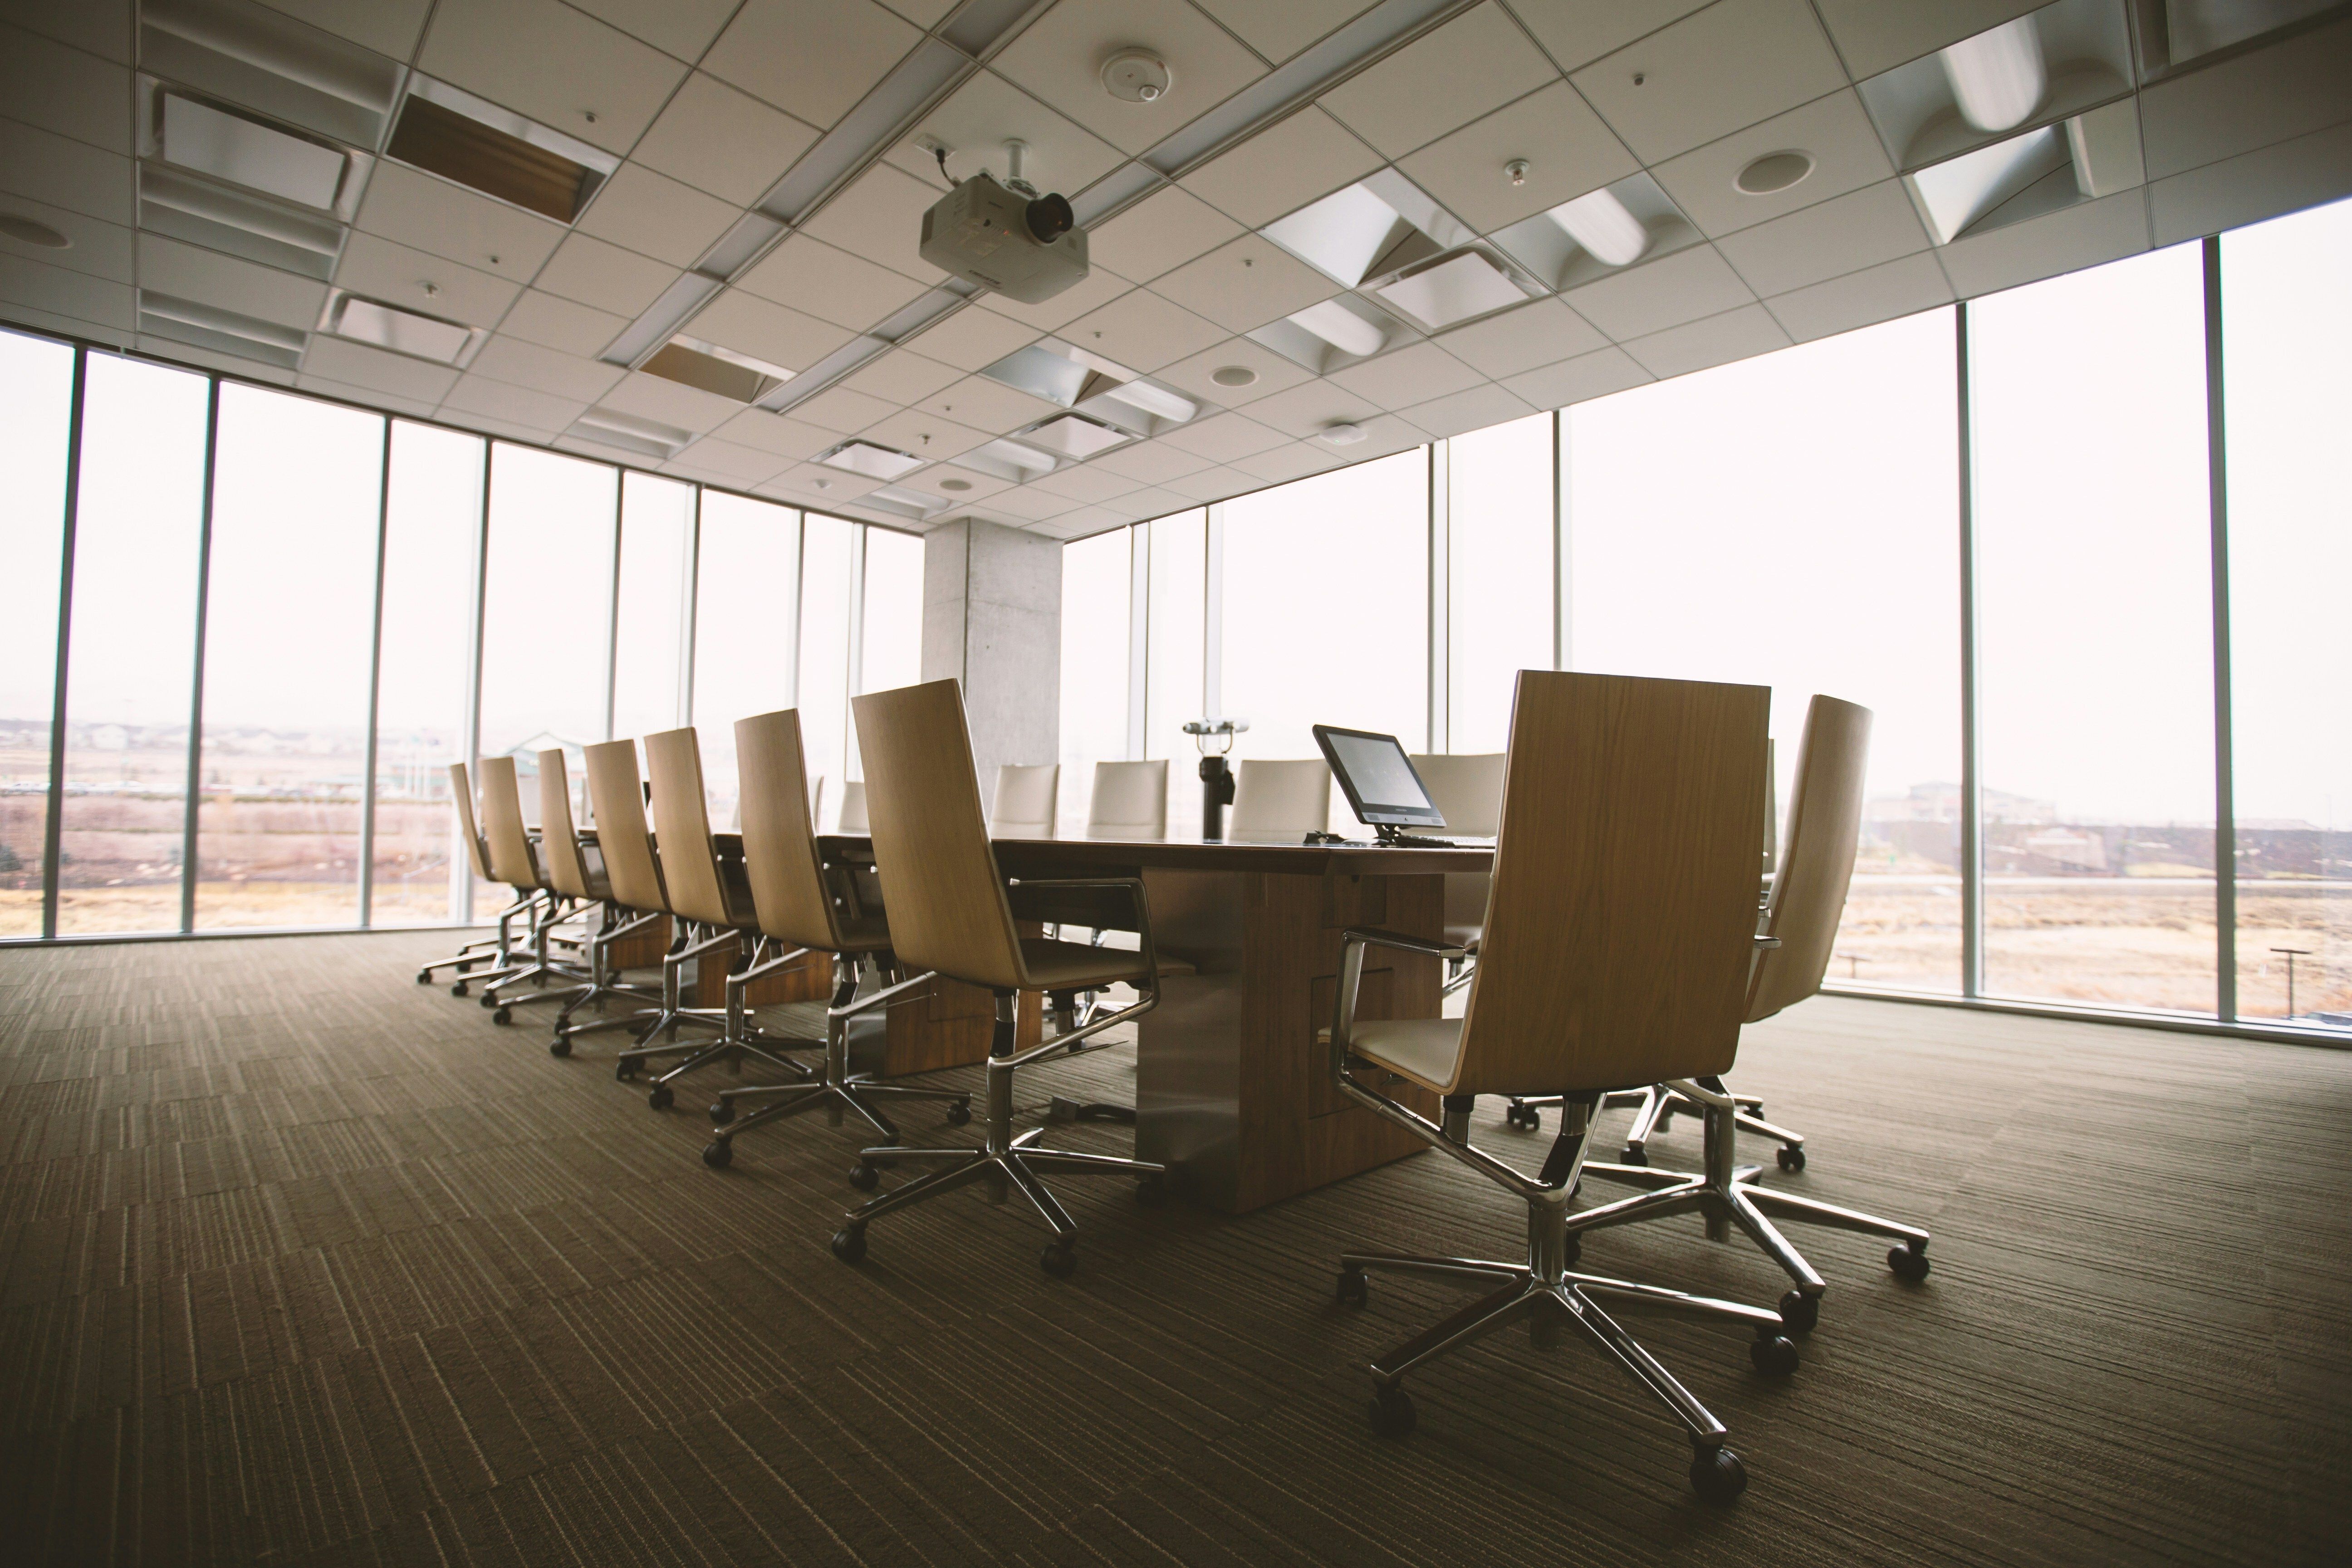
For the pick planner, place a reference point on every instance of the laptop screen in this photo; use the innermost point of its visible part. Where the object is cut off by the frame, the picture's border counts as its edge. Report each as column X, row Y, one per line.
column 1378, row 778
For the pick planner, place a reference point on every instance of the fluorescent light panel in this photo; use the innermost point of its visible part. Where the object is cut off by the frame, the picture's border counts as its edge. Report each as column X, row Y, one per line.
column 874, row 462
column 247, row 152
column 402, row 332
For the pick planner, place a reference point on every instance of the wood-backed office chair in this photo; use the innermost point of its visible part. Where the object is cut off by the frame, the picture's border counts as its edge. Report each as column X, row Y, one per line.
column 1617, row 948
column 515, row 862
column 1280, row 799
column 950, row 915
column 1027, row 796
column 804, row 907
column 1800, row 920
column 575, row 871
column 497, row 952
column 1130, row 801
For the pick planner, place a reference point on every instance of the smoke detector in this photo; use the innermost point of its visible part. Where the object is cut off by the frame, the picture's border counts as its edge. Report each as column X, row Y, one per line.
column 1342, row 435
column 1136, row 76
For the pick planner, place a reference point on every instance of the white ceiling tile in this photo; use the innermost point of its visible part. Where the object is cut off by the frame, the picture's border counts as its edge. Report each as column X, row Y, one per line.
column 2292, row 87
column 491, row 424
column 387, row 26
column 1473, row 408
column 1224, row 438
column 765, row 330
column 669, row 403
column 1577, row 32
column 101, row 248
column 188, row 355
column 357, row 365
column 1086, row 483
column 1731, row 64
column 1143, row 332
column 1145, row 505
column 902, row 376
column 521, row 404
column 1151, row 462
column 655, row 216
column 1477, row 62
column 1279, row 30
column 389, row 401
column 922, row 12
column 1059, row 58
column 985, row 404
column 1029, row 503
column 1843, row 235
column 1090, row 292
column 523, row 363
column 2082, row 235
column 594, row 272
column 1873, row 35
column 1833, row 131
column 815, row 61
column 815, row 484
column 76, row 296
column 812, row 276
column 1566, row 149
column 1860, row 299
column 1292, row 460
column 1673, row 289
column 1197, row 375
column 1717, row 339
column 720, row 139
column 958, row 486
column 552, row 63
column 1244, row 284
column 558, row 324
column 442, row 219
column 736, row 465
column 167, row 267
column 102, row 30
column 1165, row 229
column 680, row 28
column 1520, row 339
column 2246, row 189
column 1586, row 376
column 925, row 435
column 980, row 116
column 65, row 173
column 45, row 83
column 1405, row 376
column 580, row 447
column 776, row 433
column 399, row 276
column 1282, row 168
column 1305, row 410
column 880, row 218
column 972, row 339
column 1210, row 484
column 841, row 408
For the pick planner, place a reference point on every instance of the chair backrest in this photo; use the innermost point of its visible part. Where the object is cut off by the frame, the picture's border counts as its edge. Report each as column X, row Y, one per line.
column 1131, row 800
column 559, row 841
column 690, row 860
column 502, row 826
column 1283, row 799
column 1619, row 939
column 853, row 808
column 940, row 882
column 621, row 840
column 1026, row 798
column 780, row 852
column 1817, row 861
column 1467, row 790
column 461, row 793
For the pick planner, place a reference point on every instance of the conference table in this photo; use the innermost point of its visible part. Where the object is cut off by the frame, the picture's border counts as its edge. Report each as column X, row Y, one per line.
column 1233, row 1090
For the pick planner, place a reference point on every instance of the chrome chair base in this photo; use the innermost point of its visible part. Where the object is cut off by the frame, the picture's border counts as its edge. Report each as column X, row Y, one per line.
column 1654, row 1108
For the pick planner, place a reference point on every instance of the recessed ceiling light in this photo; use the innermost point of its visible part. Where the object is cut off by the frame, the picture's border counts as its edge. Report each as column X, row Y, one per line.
column 1069, row 435
column 25, row 230
column 958, row 486
column 1452, row 289
column 874, row 462
column 402, row 332
column 1233, row 375
column 247, row 152
column 1599, row 221
column 1774, row 172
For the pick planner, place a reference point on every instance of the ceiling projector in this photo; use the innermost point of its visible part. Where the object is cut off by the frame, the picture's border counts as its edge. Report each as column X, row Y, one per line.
column 1006, row 237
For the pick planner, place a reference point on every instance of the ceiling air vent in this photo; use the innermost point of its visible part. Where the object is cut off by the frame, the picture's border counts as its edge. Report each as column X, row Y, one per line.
column 1069, row 436
column 211, row 327
column 401, row 330
column 707, row 367
column 491, row 150
column 874, row 462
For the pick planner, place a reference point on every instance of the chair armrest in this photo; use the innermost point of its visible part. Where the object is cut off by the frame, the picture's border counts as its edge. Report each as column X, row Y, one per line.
column 1373, row 937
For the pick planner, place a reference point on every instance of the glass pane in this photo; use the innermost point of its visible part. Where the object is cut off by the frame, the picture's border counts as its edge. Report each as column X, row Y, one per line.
column 2095, row 602
column 1793, row 520
column 825, row 652
column 1500, row 575
column 132, row 660
column 2287, row 323
column 649, row 654
column 1098, row 599
column 1179, row 547
column 890, row 627
column 288, row 634
column 749, row 575
column 431, row 568
column 1355, row 651
column 35, row 409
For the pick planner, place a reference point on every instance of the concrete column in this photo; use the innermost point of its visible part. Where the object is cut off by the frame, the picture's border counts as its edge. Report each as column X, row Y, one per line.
column 992, row 619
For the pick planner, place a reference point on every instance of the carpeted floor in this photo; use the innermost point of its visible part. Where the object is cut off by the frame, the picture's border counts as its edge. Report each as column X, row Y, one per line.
column 302, row 1263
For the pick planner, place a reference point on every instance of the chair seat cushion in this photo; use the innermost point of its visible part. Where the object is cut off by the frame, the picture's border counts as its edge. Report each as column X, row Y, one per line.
column 1422, row 1049
column 1464, row 936
column 1075, row 966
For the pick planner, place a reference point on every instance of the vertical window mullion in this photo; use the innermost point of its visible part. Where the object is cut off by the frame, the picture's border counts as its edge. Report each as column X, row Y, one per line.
column 196, row 681
column 2225, row 812
column 53, row 830
column 1441, row 594
column 1212, row 613
column 1971, row 781
column 692, row 593
column 1561, row 602
column 1138, row 640
column 463, row 914
column 375, row 683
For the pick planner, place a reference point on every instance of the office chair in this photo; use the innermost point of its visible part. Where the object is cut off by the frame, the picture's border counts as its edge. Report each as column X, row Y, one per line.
column 1026, row 800
column 1617, row 945
column 950, row 915
column 1468, row 791
column 513, row 861
column 802, row 909
column 574, row 872
column 1281, row 799
column 1130, row 801
column 1801, row 922
column 500, row 954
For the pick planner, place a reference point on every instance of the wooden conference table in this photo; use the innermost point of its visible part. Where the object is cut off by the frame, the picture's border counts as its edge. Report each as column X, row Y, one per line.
column 1231, row 1089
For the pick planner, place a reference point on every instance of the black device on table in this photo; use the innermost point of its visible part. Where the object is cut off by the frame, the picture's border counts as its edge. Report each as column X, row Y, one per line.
column 1382, row 788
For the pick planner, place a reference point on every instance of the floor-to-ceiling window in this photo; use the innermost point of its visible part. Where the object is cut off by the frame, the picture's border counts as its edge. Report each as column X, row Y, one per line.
column 1501, row 595
column 890, row 624
column 747, row 573
column 2095, row 647
column 35, row 427
column 652, row 604
column 828, row 571
column 1097, row 601
column 1175, row 645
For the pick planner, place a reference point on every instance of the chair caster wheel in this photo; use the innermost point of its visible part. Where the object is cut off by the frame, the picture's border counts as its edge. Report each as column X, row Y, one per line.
column 459, row 988
column 1523, row 1116
column 559, row 1046
column 718, row 1154
column 864, row 1177
column 1775, row 1355
column 959, row 1112
column 425, row 977
column 1717, row 1475
column 490, row 998
column 1792, row 1157
column 1634, row 1154
column 1151, row 1192
column 1355, row 1289
column 1392, row 1414
column 849, row 1244
column 660, row 1097
column 1910, row 1264
column 1800, row 1311
column 625, row 1071
column 722, row 1112
column 1059, row 1259
column 503, row 1015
